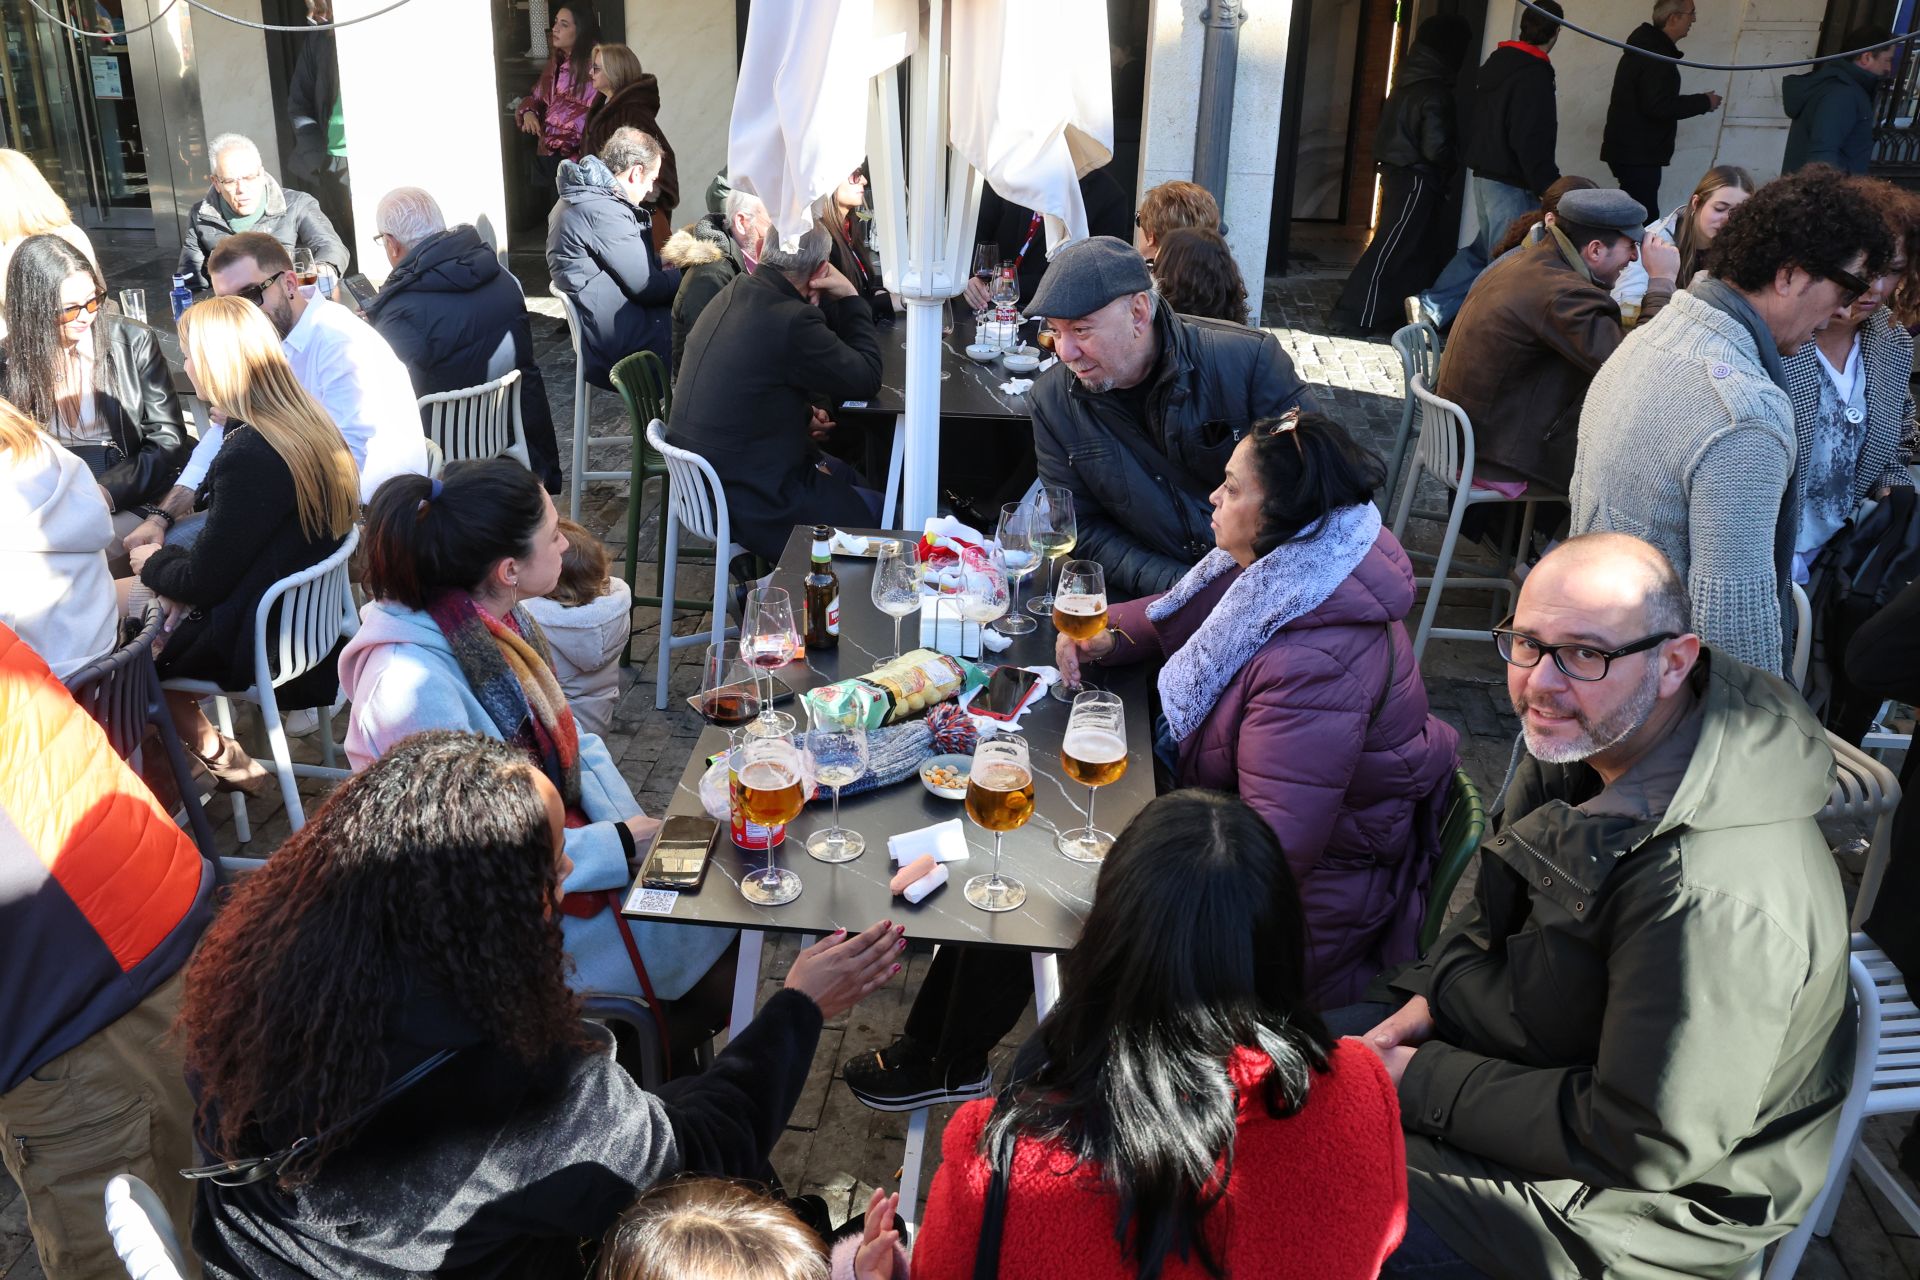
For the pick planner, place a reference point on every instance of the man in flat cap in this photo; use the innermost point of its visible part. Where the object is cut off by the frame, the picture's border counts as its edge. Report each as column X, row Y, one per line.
column 1537, row 327
column 1139, row 419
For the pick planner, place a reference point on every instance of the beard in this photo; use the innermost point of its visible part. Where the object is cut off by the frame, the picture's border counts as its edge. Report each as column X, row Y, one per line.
column 1595, row 736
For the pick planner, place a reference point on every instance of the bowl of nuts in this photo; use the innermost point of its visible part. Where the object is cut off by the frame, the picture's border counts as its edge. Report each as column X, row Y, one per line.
column 946, row 776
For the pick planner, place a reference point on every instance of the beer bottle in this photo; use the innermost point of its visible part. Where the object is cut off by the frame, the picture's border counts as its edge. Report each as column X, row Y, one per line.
column 823, row 593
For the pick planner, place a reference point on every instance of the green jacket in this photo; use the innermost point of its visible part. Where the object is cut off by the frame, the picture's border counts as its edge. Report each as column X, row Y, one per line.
column 1640, row 1056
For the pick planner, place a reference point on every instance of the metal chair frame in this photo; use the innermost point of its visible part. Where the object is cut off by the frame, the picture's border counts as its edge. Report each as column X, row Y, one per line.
column 582, row 412
column 477, row 423
column 1418, row 346
column 641, row 380
column 696, row 503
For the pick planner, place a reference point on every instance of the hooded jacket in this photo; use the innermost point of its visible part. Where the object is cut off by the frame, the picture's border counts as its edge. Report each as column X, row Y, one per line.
column 1354, row 797
column 1645, row 110
column 1417, row 129
column 1640, row 1052
column 294, row 218
column 636, row 106
column 1831, row 108
column 402, row 678
column 708, row 260
column 600, row 253
column 1515, row 125
column 586, row 640
column 54, row 531
column 456, row 319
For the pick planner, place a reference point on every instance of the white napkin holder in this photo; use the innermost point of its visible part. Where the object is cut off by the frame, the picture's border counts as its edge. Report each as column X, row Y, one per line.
column 942, row 627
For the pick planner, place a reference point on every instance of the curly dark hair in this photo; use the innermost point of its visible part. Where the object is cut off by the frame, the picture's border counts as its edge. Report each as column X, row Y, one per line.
column 1901, row 209
column 437, row 865
column 1198, row 277
column 1816, row 219
column 1307, row 470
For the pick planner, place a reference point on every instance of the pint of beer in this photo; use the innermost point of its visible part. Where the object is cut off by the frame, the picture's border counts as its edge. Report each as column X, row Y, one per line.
column 1093, row 757
column 1080, row 616
column 1000, row 795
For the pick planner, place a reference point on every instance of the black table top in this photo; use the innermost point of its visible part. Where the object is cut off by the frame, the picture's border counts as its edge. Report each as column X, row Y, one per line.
column 856, row 894
column 968, row 388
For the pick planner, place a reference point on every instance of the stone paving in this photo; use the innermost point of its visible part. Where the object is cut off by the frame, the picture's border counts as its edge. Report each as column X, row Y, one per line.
column 833, row 1145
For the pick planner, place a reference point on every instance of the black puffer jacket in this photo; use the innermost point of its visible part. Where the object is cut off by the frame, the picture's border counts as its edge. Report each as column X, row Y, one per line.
column 143, row 417
column 1647, row 106
column 708, row 260
column 1417, row 127
column 1515, row 125
column 294, row 218
column 1143, row 514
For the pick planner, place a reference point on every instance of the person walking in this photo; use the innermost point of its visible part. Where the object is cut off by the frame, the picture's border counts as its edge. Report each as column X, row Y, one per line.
column 1644, row 113
column 1831, row 106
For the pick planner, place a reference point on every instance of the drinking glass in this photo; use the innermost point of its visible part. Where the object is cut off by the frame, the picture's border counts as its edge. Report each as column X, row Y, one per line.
column 986, row 257
column 729, row 687
column 982, row 591
column 133, row 305
column 772, row 789
column 1094, row 752
column 836, row 755
column 769, row 641
column 896, row 586
column 1018, row 553
column 1056, row 532
column 304, row 268
column 1079, row 610
column 999, row 798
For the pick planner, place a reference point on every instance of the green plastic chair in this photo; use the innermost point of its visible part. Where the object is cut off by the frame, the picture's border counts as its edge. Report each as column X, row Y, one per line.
column 641, row 380
column 1460, row 833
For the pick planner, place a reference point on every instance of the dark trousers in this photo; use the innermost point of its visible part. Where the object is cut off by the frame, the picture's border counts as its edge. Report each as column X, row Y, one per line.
column 1642, row 182
column 970, row 1000
column 1399, row 260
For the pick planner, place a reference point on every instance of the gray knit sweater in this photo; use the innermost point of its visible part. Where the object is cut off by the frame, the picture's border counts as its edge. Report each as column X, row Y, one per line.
column 1686, row 442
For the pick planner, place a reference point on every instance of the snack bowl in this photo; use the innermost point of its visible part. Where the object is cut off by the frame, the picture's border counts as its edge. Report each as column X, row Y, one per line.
column 982, row 352
column 1020, row 362
column 951, row 773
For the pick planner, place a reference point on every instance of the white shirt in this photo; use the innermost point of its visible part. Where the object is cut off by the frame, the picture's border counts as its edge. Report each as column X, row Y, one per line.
column 349, row 368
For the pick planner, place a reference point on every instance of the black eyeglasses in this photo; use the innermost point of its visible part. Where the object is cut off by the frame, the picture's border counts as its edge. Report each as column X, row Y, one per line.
column 1580, row 662
column 1851, row 285
column 71, row 313
column 255, row 292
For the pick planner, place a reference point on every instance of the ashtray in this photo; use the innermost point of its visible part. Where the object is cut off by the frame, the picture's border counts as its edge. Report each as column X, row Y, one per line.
column 982, row 352
column 951, row 773
column 1020, row 362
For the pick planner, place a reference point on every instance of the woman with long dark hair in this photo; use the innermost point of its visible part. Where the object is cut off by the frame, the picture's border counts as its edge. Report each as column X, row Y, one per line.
column 1182, row 1111
column 1197, row 276
column 381, row 1014
column 847, row 217
column 555, row 111
column 97, row 384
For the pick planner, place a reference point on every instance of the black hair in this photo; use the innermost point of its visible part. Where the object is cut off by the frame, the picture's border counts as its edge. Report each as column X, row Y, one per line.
column 1306, row 471
column 36, row 358
column 586, row 34
column 419, row 545
column 1861, row 37
column 1197, row 275
column 1814, row 218
column 1129, row 1070
column 1447, row 34
column 1580, row 234
column 1537, row 28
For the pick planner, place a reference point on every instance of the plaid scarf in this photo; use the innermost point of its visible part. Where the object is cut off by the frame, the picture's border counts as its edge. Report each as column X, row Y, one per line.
column 508, row 667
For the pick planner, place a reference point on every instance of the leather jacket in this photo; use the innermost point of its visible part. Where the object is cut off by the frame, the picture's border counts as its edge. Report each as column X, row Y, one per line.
column 1143, row 513
column 1417, row 129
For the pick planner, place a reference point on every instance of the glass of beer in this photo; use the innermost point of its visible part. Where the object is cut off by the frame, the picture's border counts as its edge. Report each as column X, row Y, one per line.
column 1055, row 535
column 837, row 755
column 304, row 267
column 999, row 798
column 772, row 790
column 1094, row 752
column 1079, row 610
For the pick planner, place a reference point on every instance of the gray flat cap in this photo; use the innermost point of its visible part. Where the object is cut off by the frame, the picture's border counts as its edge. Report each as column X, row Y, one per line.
column 1088, row 274
column 1607, row 209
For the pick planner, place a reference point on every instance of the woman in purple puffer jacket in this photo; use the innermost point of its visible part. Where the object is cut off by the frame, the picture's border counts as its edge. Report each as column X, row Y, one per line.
column 555, row 113
column 1288, row 678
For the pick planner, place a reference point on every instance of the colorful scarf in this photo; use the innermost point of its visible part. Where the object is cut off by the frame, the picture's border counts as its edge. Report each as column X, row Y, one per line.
column 508, row 667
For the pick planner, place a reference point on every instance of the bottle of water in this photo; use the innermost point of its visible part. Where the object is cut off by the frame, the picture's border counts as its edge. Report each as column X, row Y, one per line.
column 180, row 296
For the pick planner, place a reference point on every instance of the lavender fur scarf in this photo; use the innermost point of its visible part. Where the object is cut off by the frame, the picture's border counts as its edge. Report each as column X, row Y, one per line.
column 1288, row 582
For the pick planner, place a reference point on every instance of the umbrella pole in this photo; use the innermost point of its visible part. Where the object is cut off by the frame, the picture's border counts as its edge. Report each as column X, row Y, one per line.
column 922, row 420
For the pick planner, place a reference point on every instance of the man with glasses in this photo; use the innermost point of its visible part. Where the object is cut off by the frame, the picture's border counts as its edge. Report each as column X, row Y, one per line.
column 243, row 196
column 1644, row 113
column 1686, row 438
column 1626, row 1055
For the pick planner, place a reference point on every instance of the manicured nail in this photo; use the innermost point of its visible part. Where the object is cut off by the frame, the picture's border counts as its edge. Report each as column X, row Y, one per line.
column 896, row 968
column 902, row 945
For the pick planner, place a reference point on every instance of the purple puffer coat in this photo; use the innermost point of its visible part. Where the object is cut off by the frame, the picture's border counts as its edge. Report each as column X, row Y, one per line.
column 1356, row 806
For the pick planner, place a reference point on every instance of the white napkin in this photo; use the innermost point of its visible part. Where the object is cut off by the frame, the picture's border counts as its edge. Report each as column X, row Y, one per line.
column 987, row 725
column 848, row 544
column 946, row 528
column 946, row 841
column 1047, row 364
column 1017, row 386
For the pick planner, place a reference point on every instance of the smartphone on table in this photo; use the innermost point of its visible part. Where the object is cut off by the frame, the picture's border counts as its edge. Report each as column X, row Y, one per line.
column 1006, row 693
column 680, row 852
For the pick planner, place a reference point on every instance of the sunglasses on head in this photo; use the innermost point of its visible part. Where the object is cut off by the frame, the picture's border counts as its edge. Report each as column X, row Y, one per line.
column 71, row 313
column 255, row 292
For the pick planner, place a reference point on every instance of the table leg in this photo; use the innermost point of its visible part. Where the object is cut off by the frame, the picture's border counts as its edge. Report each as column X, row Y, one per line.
column 909, row 1187
column 890, row 501
column 746, row 981
column 1046, row 982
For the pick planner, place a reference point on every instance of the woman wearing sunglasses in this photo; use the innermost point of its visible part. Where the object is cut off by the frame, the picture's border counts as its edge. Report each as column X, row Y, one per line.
column 94, row 382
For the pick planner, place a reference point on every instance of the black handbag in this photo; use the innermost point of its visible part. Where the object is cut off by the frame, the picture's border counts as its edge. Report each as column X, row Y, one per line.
column 1866, row 564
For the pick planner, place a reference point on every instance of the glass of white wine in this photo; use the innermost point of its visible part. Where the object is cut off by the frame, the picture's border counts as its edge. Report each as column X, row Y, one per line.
column 1055, row 534
column 1094, row 752
column 837, row 756
column 999, row 798
column 1021, row 556
column 896, row 586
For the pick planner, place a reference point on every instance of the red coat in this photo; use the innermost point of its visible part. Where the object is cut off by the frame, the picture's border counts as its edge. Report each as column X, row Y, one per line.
column 1355, row 805
column 1320, row 1195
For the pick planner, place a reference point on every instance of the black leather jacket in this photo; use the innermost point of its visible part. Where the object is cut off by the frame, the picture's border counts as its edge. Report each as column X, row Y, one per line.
column 1143, row 514
column 1417, row 129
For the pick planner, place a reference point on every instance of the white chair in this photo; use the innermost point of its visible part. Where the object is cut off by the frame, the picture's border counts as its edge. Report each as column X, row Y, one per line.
column 436, row 460
column 1864, row 790
column 1802, row 637
column 1419, row 348
column 315, row 611
column 477, row 423
column 143, row 1235
column 1446, row 452
column 696, row 503
column 583, row 414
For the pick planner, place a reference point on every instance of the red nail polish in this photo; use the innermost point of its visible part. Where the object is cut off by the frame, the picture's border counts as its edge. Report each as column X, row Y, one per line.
column 896, row 968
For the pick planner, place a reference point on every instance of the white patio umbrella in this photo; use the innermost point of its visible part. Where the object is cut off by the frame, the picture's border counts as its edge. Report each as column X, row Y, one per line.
column 1017, row 94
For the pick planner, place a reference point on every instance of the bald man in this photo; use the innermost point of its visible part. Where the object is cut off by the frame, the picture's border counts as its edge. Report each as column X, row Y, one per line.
column 1626, row 1055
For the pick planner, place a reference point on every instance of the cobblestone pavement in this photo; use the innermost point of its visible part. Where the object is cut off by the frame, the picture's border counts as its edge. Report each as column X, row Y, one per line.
column 833, row 1145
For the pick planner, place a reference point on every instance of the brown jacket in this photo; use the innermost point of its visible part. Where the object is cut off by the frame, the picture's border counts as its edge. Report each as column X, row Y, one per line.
column 1533, row 332
column 638, row 105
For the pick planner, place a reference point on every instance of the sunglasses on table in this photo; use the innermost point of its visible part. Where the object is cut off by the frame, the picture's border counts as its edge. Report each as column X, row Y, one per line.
column 1584, row 662
column 69, row 314
column 255, row 292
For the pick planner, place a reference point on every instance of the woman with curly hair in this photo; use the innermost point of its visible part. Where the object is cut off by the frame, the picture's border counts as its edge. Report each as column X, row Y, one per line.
column 392, row 1075
column 1197, row 275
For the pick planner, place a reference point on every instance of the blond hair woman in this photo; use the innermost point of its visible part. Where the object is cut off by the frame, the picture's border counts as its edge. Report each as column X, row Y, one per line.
column 625, row 96
column 279, row 497
column 54, row 531
column 29, row 207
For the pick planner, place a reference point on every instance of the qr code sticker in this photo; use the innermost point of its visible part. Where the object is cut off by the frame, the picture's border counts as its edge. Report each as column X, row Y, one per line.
column 652, row 902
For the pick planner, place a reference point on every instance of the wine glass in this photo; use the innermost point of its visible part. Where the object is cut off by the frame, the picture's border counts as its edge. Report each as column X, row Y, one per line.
column 981, row 594
column 836, row 755
column 1055, row 535
column 896, row 586
column 729, row 687
column 986, row 257
column 769, row 641
column 1093, row 752
column 304, row 268
column 1079, row 610
column 772, row 788
column 1014, row 534
column 999, row 798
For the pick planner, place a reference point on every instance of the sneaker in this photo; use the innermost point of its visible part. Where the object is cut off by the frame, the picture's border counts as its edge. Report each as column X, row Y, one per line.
column 900, row 1079
column 302, row 723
